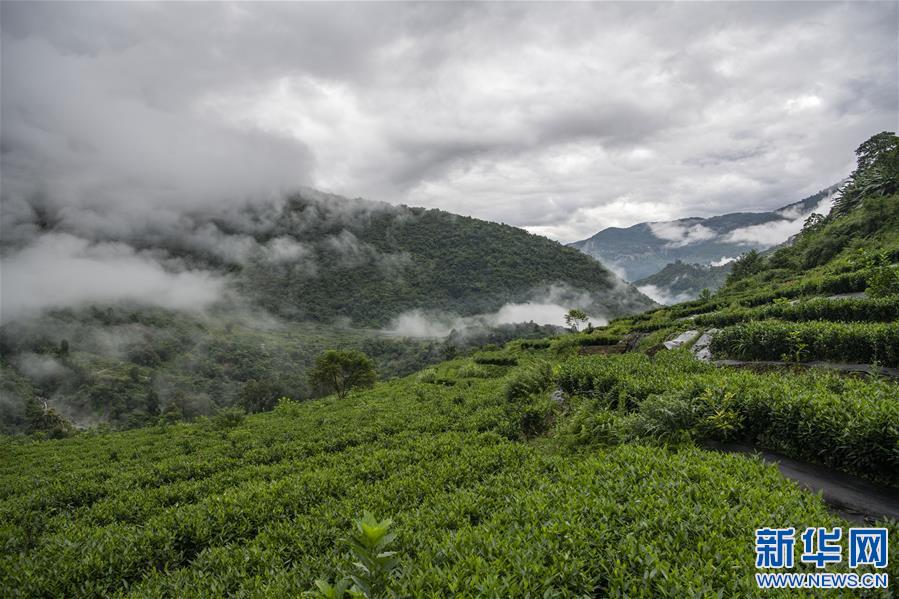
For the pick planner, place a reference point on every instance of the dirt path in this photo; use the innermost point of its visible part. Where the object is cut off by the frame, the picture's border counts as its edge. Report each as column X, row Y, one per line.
column 839, row 367
column 851, row 497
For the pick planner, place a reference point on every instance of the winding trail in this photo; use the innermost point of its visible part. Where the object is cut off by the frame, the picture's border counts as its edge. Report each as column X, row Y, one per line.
column 853, row 498
column 868, row 369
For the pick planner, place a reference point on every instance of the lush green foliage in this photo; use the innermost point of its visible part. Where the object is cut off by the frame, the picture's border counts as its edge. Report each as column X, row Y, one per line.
column 819, row 416
column 840, row 342
column 748, row 264
column 882, row 277
column 876, row 174
column 375, row 261
column 376, row 567
column 259, row 509
column 499, row 358
column 125, row 366
column 840, row 310
column 341, row 371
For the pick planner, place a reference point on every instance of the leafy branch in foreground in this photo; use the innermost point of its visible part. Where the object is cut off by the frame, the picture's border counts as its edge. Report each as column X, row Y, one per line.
column 375, row 565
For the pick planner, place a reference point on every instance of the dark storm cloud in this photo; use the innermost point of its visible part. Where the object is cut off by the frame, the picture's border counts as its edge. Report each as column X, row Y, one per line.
column 562, row 118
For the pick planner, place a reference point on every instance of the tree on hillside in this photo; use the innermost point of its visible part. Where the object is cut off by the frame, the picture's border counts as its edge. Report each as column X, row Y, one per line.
column 876, row 173
column 746, row 265
column 151, row 403
column 260, row 396
column 882, row 278
column 46, row 421
column 574, row 318
column 339, row 371
column 875, row 148
column 814, row 222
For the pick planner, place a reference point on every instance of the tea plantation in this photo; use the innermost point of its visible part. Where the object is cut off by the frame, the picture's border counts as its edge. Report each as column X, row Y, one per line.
column 494, row 488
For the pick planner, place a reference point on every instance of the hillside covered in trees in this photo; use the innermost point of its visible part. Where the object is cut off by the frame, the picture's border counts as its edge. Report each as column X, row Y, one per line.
column 292, row 277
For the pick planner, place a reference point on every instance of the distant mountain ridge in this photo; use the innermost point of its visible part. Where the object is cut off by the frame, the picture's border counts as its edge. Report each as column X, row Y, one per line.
column 644, row 249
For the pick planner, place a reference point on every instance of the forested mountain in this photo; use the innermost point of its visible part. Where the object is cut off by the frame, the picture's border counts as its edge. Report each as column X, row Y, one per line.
column 321, row 257
column 372, row 262
column 645, row 248
column 295, row 277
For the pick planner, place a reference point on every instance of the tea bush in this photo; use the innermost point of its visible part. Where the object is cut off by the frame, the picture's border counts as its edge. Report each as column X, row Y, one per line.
column 839, row 342
column 845, row 310
column 472, row 371
column 846, row 423
column 497, row 358
column 534, row 343
column 475, row 515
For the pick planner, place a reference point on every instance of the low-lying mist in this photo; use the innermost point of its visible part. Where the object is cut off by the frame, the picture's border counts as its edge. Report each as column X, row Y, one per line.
column 548, row 307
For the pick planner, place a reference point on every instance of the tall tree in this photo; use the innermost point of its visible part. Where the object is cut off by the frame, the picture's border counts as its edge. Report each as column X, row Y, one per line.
column 260, row 396
column 876, row 173
column 337, row 371
column 574, row 318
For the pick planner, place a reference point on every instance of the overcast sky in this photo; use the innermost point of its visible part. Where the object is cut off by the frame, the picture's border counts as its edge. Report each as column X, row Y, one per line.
column 560, row 118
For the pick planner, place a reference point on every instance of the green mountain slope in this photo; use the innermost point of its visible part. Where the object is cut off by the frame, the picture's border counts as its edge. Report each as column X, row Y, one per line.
column 310, row 273
column 323, row 257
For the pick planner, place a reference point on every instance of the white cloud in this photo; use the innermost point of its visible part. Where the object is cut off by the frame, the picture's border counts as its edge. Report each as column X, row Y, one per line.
column 63, row 270
column 723, row 260
column 663, row 296
column 680, row 234
column 802, row 103
column 776, row 232
column 545, row 306
column 417, row 323
column 286, row 249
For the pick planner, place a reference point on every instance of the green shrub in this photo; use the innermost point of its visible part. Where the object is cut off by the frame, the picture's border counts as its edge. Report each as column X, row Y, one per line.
column 228, row 418
column 847, row 423
column 591, row 423
column 667, row 418
column 472, row 371
column 525, row 390
column 535, row 344
column 528, row 380
column 497, row 358
column 428, row 375
column 840, row 342
column 288, row 407
column 843, row 309
column 881, row 277
column 376, row 568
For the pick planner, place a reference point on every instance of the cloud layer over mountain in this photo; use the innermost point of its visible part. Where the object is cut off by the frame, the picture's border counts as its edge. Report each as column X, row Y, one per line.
column 563, row 119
